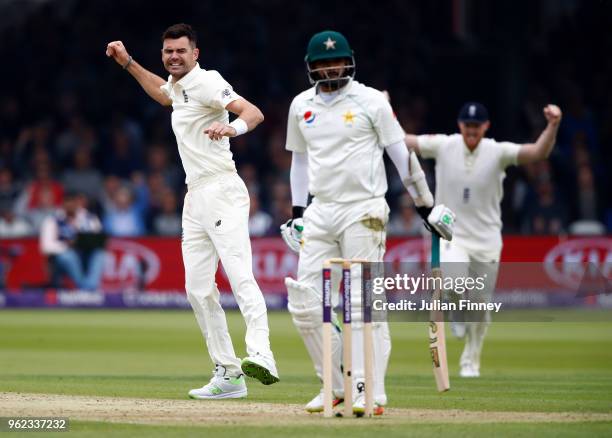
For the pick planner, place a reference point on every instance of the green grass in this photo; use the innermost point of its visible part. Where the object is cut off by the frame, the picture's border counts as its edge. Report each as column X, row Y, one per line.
column 543, row 367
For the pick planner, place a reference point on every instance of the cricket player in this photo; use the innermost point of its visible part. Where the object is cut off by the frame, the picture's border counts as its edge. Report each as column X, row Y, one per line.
column 216, row 208
column 470, row 170
column 337, row 132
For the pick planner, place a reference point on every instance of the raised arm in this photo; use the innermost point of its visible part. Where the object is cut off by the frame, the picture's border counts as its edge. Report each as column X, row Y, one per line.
column 541, row 149
column 150, row 82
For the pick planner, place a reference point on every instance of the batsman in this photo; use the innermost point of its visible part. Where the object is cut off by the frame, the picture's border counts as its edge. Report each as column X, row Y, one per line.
column 337, row 131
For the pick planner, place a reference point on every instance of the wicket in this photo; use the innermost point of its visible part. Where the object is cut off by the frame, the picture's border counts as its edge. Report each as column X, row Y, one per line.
column 347, row 350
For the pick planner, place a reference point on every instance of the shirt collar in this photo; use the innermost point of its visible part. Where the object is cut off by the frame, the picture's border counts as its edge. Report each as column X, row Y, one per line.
column 467, row 152
column 347, row 90
column 188, row 78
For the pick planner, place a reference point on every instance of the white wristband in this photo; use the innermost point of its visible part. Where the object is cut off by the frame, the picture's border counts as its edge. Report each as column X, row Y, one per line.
column 240, row 126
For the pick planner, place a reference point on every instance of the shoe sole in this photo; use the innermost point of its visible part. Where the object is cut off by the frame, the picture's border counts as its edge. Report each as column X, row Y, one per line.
column 239, row 394
column 258, row 372
column 360, row 412
column 318, row 409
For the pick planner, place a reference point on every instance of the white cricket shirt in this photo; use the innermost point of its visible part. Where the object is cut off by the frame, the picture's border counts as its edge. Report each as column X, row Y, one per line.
column 471, row 184
column 345, row 140
column 198, row 99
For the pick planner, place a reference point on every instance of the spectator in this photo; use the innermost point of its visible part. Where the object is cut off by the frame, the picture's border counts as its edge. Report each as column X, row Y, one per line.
column 121, row 159
column 42, row 196
column 12, row 226
column 33, row 141
column 587, row 202
column 78, row 135
column 547, row 216
column 158, row 162
column 168, row 221
column 125, row 216
column 260, row 222
column 9, row 189
column 406, row 222
column 83, row 177
column 82, row 261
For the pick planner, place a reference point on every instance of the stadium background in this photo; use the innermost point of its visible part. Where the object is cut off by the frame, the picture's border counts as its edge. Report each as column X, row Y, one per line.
column 70, row 119
column 126, row 373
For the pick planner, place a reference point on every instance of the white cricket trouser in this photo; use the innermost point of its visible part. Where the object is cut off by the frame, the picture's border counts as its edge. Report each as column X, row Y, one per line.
column 348, row 230
column 215, row 226
column 459, row 261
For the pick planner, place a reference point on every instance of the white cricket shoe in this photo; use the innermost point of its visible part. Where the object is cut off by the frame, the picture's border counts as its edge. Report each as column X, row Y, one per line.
column 469, row 371
column 359, row 402
column 260, row 368
column 316, row 404
column 458, row 329
column 221, row 386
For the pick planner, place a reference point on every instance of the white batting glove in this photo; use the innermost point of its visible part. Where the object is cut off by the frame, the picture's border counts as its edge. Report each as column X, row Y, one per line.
column 442, row 219
column 291, row 232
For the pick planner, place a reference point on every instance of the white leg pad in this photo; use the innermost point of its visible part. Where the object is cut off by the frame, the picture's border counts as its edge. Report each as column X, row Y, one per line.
column 307, row 313
column 382, row 352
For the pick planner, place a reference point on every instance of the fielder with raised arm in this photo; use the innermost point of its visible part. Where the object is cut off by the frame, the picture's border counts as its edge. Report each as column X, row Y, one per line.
column 216, row 208
column 337, row 131
column 470, row 170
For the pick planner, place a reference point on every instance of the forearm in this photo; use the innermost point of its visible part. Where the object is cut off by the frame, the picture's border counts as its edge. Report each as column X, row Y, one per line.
column 541, row 149
column 298, row 177
column 411, row 173
column 150, row 82
column 252, row 116
column 546, row 141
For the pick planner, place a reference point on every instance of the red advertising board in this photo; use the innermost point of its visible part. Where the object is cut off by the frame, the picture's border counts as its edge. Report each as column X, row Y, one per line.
column 156, row 263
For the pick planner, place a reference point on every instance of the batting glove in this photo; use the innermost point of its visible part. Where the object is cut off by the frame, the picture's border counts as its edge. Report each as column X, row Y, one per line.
column 439, row 220
column 291, row 232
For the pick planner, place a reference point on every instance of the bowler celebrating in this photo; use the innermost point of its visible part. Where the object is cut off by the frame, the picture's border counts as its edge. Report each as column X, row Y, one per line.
column 470, row 170
column 216, row 208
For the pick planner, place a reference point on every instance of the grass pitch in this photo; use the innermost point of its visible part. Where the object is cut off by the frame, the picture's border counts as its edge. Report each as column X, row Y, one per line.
column 553, row 367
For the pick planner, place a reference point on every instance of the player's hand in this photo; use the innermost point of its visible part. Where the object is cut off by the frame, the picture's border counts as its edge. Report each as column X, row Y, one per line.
column 439, row 220
column 218, row 130
column 291, row 232
column 553, row 114
column 118, row 52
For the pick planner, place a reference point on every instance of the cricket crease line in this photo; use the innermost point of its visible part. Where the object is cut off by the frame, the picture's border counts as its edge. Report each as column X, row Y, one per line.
column 218, row 412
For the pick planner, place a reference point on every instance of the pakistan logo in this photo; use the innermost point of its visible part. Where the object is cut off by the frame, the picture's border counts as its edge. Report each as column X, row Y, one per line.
column 447, row 219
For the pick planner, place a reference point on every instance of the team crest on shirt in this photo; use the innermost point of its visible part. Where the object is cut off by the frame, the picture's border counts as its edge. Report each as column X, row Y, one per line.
column 348, row 118
column 309, row 117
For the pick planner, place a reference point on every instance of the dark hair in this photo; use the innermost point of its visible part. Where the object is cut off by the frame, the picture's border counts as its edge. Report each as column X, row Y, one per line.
column 181, row 30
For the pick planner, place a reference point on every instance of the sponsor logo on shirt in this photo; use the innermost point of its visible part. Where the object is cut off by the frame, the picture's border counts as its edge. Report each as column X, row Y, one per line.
column 226, row 93
column 309, row 117
column 185, row 96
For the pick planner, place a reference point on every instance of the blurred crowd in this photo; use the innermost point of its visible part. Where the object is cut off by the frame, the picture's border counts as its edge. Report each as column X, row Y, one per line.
column 72, row 121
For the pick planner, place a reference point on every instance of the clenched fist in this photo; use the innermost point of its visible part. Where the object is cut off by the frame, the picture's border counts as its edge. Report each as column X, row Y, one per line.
column 218, row 130
column 553, row 114
column 118, row 52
